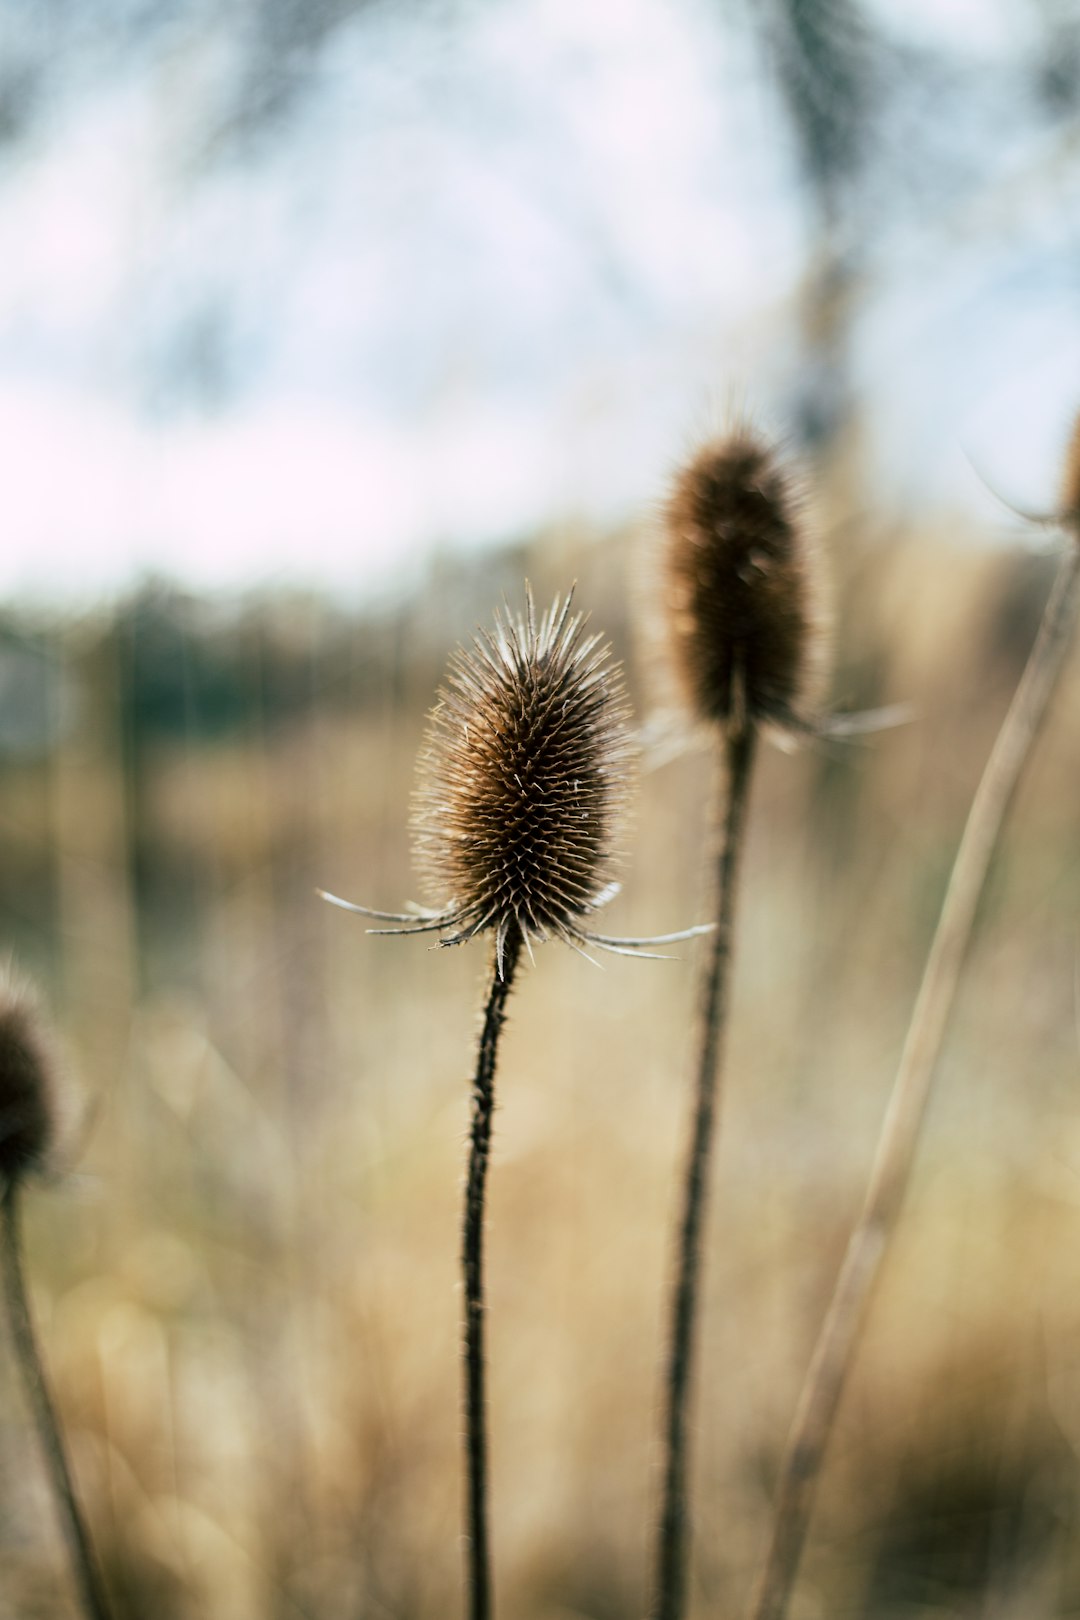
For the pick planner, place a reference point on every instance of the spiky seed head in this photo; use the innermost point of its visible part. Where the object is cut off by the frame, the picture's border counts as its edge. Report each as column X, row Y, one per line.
column 29, row 1083
column 523, row 779
column 745, row 622
column 1070, row 482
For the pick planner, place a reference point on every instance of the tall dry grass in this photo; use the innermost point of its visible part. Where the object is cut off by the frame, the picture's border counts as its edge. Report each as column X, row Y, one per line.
column 245, row 1291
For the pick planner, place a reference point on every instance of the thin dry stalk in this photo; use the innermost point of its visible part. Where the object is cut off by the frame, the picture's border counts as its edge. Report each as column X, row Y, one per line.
column 83, row 1564
column 516, row 816
column 836, row 1343
column 671, row 1550
column 478, row 1560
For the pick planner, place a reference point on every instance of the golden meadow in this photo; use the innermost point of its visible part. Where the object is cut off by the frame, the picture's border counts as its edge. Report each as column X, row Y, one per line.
column 247, row 1283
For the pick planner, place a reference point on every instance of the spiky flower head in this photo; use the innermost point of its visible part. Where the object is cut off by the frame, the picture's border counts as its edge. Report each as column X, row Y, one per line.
column 521, row 787
column 523, row 779
column 1070, row 482
column 29, row 1084
column 745, row 625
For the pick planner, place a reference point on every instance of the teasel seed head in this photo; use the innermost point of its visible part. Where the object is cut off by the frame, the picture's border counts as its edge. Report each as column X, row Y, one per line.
column 523, row 779
column 1070, row 482
column 522, row 788
column 522, row 784
column 743, row 593
column 30, row 1084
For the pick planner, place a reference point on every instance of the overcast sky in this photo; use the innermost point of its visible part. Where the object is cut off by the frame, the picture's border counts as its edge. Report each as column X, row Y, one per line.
column 286, row 298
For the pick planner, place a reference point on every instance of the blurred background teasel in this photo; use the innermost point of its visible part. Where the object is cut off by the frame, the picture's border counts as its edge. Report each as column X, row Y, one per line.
column 322, row 326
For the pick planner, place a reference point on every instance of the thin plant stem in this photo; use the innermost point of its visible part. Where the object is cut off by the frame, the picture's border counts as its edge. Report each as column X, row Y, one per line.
column 671, row 1547
column 83, row 1564
column 478, row 1558
column 870, row 1238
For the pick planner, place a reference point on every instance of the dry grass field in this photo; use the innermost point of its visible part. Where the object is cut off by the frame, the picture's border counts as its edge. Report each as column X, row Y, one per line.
column 247, row 1280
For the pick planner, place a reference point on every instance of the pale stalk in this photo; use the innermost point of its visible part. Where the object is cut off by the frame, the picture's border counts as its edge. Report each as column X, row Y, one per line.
column 869, row 1241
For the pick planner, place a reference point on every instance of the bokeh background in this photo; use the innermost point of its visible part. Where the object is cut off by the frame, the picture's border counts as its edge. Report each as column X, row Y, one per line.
column 321, row 328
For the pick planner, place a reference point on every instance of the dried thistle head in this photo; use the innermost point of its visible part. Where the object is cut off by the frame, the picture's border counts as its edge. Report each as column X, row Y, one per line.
column 1070, row 482
column 522, row 783
column 29, row 1084
column 523, row 780
column 745, row 623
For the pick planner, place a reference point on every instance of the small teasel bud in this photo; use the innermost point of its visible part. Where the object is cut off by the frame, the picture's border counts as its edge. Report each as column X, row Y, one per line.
column 29, row 1083
column 745, row 621
column 1070, row 482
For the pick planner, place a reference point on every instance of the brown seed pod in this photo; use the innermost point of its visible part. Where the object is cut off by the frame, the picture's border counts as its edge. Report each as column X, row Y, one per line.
column 745, row 624
column 29, row 1084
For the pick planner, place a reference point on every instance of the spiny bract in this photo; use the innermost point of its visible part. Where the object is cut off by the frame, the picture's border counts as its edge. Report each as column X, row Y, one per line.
column 741, row 590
